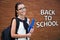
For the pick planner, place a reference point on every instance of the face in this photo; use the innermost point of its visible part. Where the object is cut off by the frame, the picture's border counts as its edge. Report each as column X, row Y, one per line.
column 21, row 10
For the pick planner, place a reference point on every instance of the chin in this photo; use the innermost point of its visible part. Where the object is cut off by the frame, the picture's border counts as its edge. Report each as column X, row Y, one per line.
column 24, row 13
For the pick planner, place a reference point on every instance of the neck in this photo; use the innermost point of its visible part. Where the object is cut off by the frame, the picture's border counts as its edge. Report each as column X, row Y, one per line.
column 21, row 17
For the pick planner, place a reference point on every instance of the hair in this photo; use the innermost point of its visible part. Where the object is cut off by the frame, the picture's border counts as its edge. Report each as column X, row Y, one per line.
column 16, row 6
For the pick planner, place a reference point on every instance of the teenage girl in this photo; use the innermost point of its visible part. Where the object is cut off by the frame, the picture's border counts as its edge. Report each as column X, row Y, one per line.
column 20, row 12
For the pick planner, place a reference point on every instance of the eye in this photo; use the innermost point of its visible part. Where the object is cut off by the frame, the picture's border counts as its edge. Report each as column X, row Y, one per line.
column 22, row 8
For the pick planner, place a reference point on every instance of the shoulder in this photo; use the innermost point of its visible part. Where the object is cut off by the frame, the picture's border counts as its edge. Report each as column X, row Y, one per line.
column 13, row 19
column 28, row 19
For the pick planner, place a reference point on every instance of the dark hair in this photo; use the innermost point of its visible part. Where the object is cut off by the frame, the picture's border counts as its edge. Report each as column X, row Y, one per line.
column 16, row 6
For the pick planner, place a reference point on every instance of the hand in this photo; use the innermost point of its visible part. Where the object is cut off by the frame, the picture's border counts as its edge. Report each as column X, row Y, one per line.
column 29, row 35
column 31, row 31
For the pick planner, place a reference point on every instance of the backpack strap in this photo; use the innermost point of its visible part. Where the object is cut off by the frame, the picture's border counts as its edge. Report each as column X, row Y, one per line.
column 17, row 24
column 26, row 25
column 26, row 19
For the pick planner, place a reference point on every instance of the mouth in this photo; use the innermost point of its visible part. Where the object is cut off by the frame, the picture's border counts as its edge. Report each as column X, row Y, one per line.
column 23, row 13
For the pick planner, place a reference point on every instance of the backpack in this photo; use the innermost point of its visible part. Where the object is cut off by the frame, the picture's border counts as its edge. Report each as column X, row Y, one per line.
column 6, row 34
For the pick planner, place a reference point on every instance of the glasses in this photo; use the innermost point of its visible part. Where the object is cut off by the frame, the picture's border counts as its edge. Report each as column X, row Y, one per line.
column 22, row 8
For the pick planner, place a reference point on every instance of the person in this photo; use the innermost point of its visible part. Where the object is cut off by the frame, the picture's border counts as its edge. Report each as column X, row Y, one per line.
column 20, row 12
